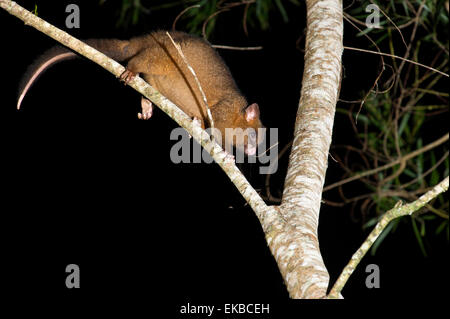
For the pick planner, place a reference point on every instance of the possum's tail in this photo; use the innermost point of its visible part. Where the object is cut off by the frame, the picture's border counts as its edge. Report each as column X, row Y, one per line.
column 115, row 49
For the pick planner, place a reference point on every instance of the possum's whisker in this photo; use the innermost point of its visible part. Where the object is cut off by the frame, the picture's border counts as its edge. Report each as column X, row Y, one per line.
column 268, row 149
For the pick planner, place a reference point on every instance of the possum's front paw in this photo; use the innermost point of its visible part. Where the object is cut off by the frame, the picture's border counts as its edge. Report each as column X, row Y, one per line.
column 127, row 76
column 196, row 122
column 147, row 109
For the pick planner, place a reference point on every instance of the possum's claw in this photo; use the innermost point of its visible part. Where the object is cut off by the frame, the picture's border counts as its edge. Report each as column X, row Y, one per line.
column 127, row 76
column 229, row 157
column 196, row 121
column 147, row 109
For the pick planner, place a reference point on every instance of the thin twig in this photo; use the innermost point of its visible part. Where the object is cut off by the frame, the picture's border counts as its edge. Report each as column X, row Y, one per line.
column 183, row 12
column 180, row 52
column 395, row 26
column 429, row 171
column 397, row 57
column 379, row 74
column 405, row 158
column 208, row 19
column 244, row 19
column 267, row 182
column 413, row 35
column 228, row 47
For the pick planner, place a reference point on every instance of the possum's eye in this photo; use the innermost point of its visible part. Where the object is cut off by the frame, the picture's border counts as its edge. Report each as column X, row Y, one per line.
column 252, row 135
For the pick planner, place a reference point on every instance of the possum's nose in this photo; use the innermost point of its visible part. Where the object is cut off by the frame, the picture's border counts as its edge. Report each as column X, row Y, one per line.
column 250, row 149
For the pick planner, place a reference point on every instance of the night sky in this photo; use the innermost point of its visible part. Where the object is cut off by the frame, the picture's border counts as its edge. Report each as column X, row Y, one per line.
column 86, row 182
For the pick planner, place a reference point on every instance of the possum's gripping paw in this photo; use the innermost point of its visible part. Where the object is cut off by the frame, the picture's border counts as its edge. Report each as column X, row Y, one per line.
column 229, row 158
column 196, row 122
column 127, row 76
column 147, row 109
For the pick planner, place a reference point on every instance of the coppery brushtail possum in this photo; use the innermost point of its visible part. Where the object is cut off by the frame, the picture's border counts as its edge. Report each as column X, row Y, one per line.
column 154, row 57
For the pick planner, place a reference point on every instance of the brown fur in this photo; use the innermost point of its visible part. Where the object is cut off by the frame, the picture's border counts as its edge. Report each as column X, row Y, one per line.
column 155, row 59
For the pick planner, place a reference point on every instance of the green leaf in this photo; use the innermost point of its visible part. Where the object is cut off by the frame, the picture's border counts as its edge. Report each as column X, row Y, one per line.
column 363, row 32
column 428, row 217
column 409, row 173
column 282, row 11
column 434, row 178
column 395, row 222
column 405, row 7
column 441, row 227
column 403, row 123
column 135, row 17
column 418, row 237
column 371, row 222
column 419, row 161
column 380, row 239
column 419, row 118
column 362, row 118
column 422, row 229
column 262, row 13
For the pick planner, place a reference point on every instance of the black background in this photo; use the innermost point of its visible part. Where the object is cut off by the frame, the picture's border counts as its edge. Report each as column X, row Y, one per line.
column 86, row 182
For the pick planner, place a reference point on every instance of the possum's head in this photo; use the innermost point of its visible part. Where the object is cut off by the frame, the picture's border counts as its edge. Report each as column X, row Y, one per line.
column 244, row 134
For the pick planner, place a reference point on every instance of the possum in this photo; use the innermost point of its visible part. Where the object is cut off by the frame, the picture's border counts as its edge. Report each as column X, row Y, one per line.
column 154, row 58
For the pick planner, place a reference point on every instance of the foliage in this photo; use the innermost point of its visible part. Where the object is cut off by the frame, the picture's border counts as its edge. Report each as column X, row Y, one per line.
column 402, row 114
column 254, row 12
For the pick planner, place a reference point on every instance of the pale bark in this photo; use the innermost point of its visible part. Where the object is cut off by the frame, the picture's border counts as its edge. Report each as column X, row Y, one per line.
column 306, row 274
column 290, row 229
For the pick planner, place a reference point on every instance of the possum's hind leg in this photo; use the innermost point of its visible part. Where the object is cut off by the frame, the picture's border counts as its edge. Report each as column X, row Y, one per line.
column 147, row 109
column 138, row 65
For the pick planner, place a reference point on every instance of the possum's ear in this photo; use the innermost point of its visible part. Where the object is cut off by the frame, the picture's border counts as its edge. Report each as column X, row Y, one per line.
column 252, row 112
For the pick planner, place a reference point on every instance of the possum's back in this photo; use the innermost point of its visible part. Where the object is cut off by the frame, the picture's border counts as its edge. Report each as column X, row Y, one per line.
column 170, row 75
